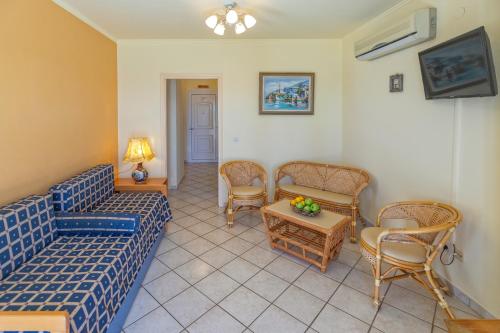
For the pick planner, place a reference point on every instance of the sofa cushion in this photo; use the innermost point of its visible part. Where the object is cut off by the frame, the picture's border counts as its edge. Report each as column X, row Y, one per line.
column 318, row 194
column 97, row 223
column 85, row 191
column 410, row 252
column 26, row 227
column 87, row 276
column 247, row 190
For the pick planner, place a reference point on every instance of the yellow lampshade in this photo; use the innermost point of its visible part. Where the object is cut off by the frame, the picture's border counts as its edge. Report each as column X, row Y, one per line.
column 138, row 151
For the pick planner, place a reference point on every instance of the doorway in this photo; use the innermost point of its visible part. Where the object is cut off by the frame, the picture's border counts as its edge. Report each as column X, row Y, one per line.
column 192, row 125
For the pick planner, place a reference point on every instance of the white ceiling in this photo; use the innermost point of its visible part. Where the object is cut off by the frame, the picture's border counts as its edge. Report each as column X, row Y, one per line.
column 132, row 19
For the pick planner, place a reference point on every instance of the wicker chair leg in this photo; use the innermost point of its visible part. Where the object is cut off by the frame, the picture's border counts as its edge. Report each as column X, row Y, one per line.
column 265, row 202
column 230, row 212
column 353, row 224
column 437, row 292
column 376, row 290
column 276, row 195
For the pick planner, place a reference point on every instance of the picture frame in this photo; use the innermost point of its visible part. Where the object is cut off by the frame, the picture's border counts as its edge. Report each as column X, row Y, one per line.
column 286, row 93
column 396, row 83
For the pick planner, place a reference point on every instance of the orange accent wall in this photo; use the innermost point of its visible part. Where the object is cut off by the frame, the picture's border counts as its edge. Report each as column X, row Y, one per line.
column 58, row 97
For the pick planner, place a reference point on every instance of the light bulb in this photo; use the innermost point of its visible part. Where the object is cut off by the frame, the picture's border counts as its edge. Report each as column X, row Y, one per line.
column 219, row 29
column 211, row 21
column 249, row 21
column 239, row 28
column 232, row 16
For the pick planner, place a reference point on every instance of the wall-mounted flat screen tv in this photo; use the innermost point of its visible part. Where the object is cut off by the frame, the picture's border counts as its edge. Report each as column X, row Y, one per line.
column 460, row 67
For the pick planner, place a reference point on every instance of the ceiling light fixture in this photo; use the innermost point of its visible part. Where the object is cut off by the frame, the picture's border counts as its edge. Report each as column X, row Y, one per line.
column 241, row 21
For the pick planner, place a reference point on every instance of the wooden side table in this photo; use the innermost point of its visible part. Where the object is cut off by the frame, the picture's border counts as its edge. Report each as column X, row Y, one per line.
column 152, row 185
column 316, row 240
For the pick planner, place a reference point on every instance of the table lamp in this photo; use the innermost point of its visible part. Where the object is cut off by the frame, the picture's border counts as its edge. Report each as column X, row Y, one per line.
column 139, row 151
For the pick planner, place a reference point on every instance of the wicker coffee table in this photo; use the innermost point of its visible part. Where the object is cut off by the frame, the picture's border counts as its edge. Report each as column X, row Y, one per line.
column 316, row 240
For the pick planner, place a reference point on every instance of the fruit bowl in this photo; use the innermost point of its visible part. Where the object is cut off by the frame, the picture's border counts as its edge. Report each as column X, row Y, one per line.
column 302, row 212
column 306, row 207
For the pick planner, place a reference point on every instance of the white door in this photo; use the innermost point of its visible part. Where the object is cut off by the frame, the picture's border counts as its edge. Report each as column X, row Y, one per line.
column 203, row 128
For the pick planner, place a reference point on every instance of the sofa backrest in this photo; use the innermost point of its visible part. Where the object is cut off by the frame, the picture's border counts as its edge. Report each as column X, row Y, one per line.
column 85, row 191
column 26, row 227
column 327, row 177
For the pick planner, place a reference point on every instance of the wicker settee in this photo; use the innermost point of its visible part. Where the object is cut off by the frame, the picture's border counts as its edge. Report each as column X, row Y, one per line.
column 334, row 187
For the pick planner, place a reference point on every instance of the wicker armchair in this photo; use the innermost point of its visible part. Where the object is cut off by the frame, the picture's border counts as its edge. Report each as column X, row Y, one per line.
column 408, row 237
column 334, row 187
column 246, row 185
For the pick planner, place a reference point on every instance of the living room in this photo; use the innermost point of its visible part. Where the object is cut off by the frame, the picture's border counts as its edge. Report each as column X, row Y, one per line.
column 83, row 79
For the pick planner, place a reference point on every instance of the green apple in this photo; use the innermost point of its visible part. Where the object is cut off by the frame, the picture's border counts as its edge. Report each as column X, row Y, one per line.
column 314, row 207
column 307, row 209
column 300, row 205
column 308, row 201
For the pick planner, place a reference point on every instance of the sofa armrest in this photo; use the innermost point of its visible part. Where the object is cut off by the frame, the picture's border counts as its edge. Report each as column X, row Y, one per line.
column 97, row 223
column 46, row 321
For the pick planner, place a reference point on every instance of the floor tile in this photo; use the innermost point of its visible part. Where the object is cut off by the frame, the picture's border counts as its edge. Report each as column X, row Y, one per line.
column 332, row 320
column 392, row 320
column 440, row 315
column 165, row 245
column 183, row 236
column 158, row 320
column 267, row 285
column 198, row 246
column 300, row 304
column 258, row 256
column 204, row 214
column 217, row 257
column 239, row 270
column 408, row 301
column 218, row 236
column 201, row 228
column 363, row 282
column 173, row 227
column 217, row 286
column 216, row 321
column 335, row 270
column 348, row 257
column 188, row 306
column 194, row 270
column 177, row 204
column 244, row 305
column 166, row 287
column 156, row 269
column 237, row 245
column 355, row 303
column 317, row 284
column 295, row 259
column 217, row 221
column 253, row 236
column 191, row 208
column 175, row 257
column 285, row 269
column 143, row 304
column 237, row 229
column 277, row 321
column 216, row 209
column 187, row 221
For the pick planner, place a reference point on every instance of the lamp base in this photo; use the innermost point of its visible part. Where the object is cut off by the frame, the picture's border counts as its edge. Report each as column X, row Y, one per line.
column 140, row 174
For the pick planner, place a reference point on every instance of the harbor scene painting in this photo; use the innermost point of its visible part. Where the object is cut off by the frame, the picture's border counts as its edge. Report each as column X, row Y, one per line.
column 286, row 93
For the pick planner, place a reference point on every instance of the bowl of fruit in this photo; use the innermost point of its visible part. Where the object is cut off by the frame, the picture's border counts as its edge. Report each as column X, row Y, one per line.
column 306, row 207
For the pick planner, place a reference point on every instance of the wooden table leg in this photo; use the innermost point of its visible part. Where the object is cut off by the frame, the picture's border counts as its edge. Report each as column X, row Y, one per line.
column 326, row 252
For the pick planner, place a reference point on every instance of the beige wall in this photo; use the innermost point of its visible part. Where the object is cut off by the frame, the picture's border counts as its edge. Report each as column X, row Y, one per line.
column 270, row 140
column 446, row 150
column 57, row 97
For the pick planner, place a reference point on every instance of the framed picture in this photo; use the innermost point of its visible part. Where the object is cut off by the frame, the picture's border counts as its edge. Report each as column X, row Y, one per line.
column 286, row 93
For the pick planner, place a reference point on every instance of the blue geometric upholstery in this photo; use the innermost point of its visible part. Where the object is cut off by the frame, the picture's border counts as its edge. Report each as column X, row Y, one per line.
column 97, row 223
column 26, row 227
column 81, row 262
column 84, row 191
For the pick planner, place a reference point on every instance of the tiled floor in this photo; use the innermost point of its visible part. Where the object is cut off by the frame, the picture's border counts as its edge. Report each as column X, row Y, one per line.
column 207, row 278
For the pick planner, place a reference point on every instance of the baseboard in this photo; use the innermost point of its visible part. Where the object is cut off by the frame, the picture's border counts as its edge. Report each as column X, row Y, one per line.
column 455, row 291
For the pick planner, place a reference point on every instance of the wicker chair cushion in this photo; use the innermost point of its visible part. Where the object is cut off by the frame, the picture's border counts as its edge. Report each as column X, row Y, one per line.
column 399, row 223
column 318, row 194
column 410, row 252
column 247, row 190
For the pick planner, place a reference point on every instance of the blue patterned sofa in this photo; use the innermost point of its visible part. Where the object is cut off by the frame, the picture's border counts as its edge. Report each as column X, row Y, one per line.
column 82, row 249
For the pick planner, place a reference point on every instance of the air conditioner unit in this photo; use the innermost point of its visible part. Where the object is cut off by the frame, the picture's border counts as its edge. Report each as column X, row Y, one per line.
column 415, row 29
